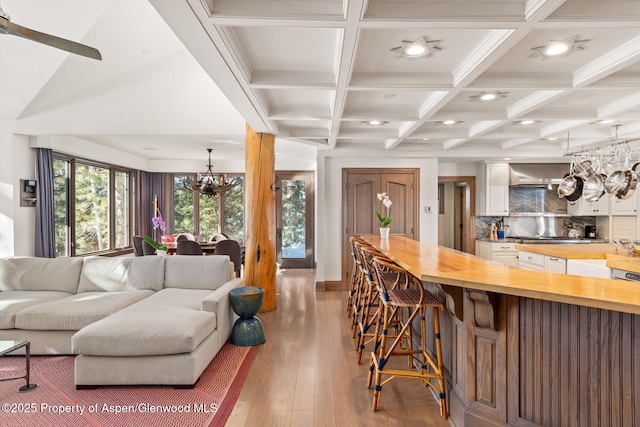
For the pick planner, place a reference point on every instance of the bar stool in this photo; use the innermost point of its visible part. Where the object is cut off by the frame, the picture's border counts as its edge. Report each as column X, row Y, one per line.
column 356, row 274
column 413, row 298
column 360, row 299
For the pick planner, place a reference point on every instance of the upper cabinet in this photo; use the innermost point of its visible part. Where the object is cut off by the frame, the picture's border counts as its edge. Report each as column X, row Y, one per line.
column 493, row 189
column 582, row 207
column 625, row 206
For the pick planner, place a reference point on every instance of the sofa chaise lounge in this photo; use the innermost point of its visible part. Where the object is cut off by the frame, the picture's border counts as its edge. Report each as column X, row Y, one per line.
column 129, row 320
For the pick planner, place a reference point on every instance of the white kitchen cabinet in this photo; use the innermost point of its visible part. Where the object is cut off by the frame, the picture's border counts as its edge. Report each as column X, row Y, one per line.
column 530, row 261
column 625, row 206
column 502, row 252
column 555, row 265
column 493, row 189
column 582, row 207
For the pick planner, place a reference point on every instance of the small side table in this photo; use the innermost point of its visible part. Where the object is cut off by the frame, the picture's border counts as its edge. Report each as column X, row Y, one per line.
column 9, row 346
column 246, row 302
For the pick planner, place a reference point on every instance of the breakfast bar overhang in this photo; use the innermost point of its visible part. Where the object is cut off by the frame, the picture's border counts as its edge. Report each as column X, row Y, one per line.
column 524, row 348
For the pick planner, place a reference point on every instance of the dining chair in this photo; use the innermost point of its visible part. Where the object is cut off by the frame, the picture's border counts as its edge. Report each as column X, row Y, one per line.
column 185, row 236
column 219, row 236
column 136, row 242
column 147, row 249
column 232, row 249
column 188, row 247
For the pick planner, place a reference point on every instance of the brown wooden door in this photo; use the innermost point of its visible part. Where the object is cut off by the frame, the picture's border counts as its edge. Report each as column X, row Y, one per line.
column 360, row 189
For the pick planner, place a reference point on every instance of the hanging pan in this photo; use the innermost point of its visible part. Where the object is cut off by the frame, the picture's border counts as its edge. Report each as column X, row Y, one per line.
column 570, row 188
column 594, row 187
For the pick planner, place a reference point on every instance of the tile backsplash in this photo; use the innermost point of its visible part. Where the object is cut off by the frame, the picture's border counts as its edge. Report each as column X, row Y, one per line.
column 536, row 200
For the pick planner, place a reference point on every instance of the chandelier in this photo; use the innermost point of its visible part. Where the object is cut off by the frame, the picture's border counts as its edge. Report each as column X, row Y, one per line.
column 209, row 183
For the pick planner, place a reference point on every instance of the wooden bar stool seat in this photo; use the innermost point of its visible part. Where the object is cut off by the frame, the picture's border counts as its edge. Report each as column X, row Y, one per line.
column 407, row 300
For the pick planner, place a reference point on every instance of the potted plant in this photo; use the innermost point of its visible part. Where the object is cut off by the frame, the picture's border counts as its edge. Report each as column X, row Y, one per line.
column 385, row 221
column 160, row 250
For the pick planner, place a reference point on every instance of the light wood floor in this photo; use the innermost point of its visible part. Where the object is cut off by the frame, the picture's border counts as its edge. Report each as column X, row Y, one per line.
column 306, row 374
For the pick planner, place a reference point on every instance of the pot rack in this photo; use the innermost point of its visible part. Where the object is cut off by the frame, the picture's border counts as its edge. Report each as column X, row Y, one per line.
column 597, row 148
column 621, row 183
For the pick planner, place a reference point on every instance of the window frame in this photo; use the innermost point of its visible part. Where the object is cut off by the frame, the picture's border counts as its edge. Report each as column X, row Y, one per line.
column 170, row 197
column 71, row 197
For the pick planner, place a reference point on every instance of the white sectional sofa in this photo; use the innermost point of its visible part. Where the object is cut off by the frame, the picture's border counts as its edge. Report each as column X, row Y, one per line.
column 130, row 320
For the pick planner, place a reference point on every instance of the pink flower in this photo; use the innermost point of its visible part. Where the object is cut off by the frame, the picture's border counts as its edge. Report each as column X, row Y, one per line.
column 158, row 222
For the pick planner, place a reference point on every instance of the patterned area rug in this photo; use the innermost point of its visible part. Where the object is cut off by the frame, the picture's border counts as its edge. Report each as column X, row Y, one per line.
column 56, row 402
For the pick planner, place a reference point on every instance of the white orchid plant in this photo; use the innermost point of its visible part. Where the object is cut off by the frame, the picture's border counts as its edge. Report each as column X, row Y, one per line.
column 385, row 221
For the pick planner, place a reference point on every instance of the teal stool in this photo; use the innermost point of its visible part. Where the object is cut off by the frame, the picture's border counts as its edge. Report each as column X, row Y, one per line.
column 246, row 302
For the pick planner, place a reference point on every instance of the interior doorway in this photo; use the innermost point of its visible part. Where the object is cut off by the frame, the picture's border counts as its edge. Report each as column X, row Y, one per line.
column 456, row 213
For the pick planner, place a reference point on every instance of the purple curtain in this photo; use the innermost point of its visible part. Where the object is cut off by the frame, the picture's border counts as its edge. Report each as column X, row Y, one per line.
column 151, row 186
column 45, row 225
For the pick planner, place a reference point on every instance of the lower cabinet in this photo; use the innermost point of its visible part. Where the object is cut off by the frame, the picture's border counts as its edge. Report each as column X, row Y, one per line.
column 502, row 252
column 539, row 262
column 531, row 261
column 555, row 265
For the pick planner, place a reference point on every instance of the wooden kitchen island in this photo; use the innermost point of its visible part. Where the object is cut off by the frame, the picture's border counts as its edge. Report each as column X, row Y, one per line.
column 525, row 348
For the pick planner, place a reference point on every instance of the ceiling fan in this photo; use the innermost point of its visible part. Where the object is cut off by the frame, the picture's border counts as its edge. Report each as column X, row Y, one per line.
column 8, row 27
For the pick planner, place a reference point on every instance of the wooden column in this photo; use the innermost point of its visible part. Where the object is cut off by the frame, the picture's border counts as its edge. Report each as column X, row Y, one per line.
column 260, row 215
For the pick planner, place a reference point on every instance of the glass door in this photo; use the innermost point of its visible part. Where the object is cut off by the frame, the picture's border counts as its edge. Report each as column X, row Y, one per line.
column 294, row 219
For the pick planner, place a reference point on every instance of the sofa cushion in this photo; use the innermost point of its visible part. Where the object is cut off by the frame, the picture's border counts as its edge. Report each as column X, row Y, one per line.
column 12, row 302
column 197, row 272
column 122, row 274
column 76, row 311
column 168, row 322
column 40, row 274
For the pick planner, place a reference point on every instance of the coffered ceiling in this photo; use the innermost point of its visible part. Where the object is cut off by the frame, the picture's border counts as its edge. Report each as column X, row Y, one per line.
column 179, row 76
column 318, row 71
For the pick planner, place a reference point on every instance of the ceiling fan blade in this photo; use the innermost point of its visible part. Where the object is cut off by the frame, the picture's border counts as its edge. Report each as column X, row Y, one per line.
column 57, row 42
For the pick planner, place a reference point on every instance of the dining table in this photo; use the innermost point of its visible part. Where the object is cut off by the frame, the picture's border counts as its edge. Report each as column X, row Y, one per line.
column 208, row 247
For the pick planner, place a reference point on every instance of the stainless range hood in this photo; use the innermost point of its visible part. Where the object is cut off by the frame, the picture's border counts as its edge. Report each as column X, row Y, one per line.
column 537, row 174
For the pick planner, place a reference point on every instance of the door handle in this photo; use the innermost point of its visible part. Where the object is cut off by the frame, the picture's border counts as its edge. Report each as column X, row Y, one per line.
column 279, row 233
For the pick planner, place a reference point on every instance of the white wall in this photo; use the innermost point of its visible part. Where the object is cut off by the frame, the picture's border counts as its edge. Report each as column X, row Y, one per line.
column 329, row 208
column 458, row 169
column 89, row 150
column 17, row 161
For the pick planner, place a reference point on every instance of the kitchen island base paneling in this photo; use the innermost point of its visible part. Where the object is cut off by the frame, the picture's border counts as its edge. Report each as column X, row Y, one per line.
column 514, row 361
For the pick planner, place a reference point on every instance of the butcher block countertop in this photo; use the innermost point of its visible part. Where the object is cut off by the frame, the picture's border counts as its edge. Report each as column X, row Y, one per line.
column 577, row 251
column 590, row 251
column 445, row 266
column 624, row 263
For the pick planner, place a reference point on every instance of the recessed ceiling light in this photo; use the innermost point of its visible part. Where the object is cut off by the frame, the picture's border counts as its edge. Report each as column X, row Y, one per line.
column 420, row 48
column 389, row 95
column 449, row 122
column 603, row 122
column 425, row 139
column 526, row 122
column 488, row 96
column 375, row 123
column 551, row 138
column 558, row 48
column 507, row 158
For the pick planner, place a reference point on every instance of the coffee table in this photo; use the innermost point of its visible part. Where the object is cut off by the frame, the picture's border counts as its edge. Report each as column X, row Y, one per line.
column 9, row 346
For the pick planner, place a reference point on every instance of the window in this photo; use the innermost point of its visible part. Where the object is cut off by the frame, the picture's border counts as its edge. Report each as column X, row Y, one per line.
column 92, row 206
column 206, row 216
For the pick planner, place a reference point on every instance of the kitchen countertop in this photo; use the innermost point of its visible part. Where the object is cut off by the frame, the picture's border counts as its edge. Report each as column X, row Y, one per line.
column 445, row 266
column 569, row 251
column 624, row 263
